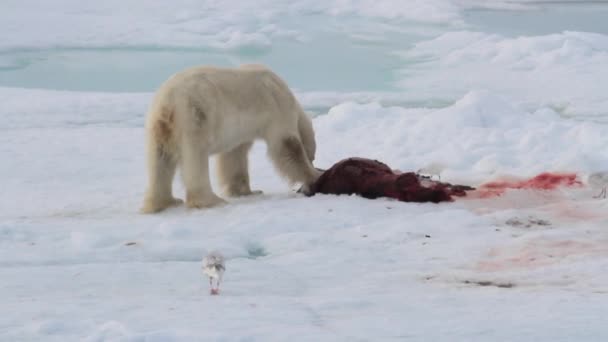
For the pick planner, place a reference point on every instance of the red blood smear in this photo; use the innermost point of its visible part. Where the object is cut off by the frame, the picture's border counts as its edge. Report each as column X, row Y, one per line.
column 543, row 181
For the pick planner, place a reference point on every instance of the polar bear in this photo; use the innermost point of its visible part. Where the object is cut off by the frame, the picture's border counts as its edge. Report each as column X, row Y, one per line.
column 206, row 110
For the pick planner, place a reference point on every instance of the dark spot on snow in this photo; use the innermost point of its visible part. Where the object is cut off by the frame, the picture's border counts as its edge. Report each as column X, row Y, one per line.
column 489, row 283
column 364, row 235
column 528, row 222
column 255, row 251
column 131, row 243
column 540, row 222
column 427, row 236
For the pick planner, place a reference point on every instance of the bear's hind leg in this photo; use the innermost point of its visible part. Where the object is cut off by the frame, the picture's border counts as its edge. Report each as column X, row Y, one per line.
column 161, row 170
column 194, row 168
column 233, row 171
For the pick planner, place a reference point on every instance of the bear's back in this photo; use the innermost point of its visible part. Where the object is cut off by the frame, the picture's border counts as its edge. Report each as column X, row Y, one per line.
column 247, row 87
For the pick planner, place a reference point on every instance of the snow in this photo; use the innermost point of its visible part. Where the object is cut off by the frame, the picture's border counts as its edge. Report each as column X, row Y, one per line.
column 479, row 136
column 233, row 24
column 213, row 24
column 114, row 23
column 551, row 70
column 79, row 263
column 439, row 11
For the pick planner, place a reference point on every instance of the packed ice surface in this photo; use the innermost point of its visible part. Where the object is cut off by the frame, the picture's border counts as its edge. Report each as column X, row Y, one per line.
column 416, row 86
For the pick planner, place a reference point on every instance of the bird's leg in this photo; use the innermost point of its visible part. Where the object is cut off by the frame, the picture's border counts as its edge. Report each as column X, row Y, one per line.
column 604, row 192
column 216, row 290
column 210, row 283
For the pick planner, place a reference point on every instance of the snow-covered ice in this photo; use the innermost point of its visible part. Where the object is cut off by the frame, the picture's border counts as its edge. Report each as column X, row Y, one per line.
column 413, row 84
column 551, row 70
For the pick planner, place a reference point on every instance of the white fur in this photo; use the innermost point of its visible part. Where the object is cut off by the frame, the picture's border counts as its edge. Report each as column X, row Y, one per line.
column 203, row 111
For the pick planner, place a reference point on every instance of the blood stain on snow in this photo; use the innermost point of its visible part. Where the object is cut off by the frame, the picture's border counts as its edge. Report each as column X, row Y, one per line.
column 538, row 253
column 543, row 181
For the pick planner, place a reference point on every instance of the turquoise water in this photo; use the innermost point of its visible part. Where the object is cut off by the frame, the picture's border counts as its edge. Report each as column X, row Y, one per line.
column 329, row 60
column 322, row 64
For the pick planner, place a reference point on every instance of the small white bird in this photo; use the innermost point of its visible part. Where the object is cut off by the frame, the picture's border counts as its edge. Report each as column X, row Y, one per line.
column 432, row 169
column 599, row 180
column 214, row 266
